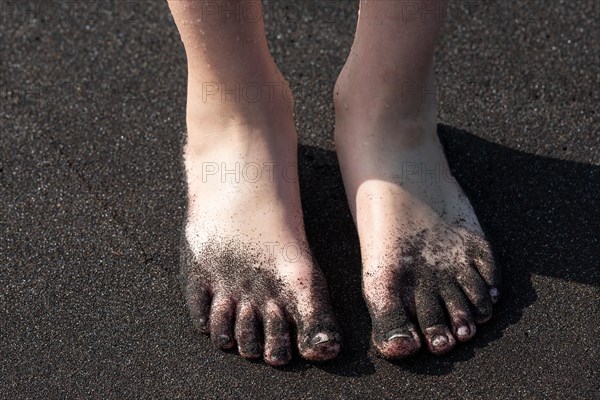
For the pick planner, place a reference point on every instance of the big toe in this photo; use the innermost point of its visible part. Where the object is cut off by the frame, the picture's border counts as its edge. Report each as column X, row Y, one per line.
column 318, row 337
column 317, row 333
column 394, row 335
column 397, row 343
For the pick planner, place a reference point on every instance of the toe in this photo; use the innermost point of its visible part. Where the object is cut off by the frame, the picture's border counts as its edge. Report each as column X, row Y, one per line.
column 318, row 334
column 399, row 342
column 432, row 322
column 478, row 294
column 459, row 312
column 198, row 300
column 483, row 260
column 319, row 339
column 394, row 335
column 277, row 336
column 247, row 332
column 221, row 322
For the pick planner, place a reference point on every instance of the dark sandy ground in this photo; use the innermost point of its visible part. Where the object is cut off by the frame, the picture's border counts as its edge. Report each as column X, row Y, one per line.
column 91, row 203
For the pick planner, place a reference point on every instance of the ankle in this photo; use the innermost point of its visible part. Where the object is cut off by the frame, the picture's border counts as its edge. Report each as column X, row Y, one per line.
column 370, row 109
column 246, row 102
column 375, row 90
column 251, row 91
column 240, row 110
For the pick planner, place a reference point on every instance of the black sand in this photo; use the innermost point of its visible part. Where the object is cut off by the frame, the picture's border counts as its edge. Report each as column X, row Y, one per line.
column 91, row 199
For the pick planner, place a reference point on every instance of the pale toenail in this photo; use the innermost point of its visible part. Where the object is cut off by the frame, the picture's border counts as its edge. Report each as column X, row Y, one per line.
column 223, row 340
column 494, row 293
column 399, row 335
column 395, row 334
column 463, row 331
column 319, row 338
column 439, row 341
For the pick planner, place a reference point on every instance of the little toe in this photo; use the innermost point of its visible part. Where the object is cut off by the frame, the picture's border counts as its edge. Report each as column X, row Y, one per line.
column 494, row 294
column 478, row 294
column 277, row 336
column 483, row 260
column 198, row 300
column 247, row 332
column 432, row 322
column 221, row 322
column 459, row 313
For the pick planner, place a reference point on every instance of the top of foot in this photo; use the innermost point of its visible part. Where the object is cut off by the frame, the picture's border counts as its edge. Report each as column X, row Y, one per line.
column 248, row 274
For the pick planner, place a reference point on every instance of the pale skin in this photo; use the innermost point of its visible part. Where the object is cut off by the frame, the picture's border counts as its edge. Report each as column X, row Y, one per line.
column 249, row 278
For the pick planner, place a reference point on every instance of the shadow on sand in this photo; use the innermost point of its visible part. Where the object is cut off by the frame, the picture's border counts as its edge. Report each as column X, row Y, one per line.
column 536, row 211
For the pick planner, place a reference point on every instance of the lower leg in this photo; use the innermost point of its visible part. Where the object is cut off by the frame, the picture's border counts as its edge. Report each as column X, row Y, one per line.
column 392, row 58
column 232, row 78
column 247, row 271
column 427, row 268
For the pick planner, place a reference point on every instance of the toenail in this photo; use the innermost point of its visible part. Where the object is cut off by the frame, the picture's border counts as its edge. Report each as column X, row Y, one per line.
column 494, row 293
column 202, row 324
column 223, row 340
column 483, row 311
column 463, row 331
column 319, row 338
column 397, row 333
column 280, row 354
column 439, row 341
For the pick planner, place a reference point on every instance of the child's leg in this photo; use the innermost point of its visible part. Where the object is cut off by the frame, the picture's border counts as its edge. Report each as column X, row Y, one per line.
column 425, row 258
column 248, row 273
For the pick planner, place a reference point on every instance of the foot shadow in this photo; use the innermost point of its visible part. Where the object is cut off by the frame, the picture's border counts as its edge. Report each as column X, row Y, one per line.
column 536, row 211
column 334, row 241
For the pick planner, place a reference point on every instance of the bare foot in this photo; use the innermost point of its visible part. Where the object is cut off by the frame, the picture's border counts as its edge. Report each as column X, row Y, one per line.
column 249, row 276
column 427, row 267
